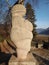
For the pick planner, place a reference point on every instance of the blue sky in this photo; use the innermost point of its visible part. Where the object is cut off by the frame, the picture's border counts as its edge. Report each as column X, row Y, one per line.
column 41, row 12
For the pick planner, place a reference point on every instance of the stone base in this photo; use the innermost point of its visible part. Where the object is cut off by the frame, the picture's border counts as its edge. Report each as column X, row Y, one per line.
column 30, row 60
column 22, row 63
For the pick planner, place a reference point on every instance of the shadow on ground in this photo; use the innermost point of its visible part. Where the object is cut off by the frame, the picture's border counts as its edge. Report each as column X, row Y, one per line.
column 41, row 60
column 4, row 58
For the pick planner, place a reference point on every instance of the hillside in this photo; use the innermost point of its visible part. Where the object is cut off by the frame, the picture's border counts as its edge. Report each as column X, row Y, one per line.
column 45, row 32
column 39, row 30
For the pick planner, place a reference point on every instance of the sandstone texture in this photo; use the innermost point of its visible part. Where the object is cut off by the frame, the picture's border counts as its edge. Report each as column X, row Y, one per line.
column 30, row 60
column 21, row 32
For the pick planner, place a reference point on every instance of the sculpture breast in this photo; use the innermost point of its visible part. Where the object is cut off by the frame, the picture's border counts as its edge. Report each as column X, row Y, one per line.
column 21, row 32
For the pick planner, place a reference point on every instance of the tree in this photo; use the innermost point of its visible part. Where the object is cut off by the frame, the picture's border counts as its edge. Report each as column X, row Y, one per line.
column 8, row 24
column 30, row 15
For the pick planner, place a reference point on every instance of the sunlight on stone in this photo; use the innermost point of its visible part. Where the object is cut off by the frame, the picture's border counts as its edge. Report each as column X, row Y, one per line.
column 21, row 32
column 21, row 35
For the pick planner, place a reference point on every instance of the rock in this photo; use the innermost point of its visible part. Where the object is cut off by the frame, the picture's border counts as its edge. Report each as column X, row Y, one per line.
column 30, row 60
column 3, row 49
column 21, row 32
column 6, row 48
column 18, row 9
column 22, row 23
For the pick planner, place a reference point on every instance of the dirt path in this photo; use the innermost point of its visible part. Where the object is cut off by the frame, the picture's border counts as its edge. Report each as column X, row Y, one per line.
column 42, row 56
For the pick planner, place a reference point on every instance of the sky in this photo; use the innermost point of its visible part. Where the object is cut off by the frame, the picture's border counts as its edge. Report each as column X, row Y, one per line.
column 41, row 12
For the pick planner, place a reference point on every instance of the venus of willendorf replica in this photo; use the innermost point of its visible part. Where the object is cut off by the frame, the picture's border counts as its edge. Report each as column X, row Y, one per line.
column 21, row 32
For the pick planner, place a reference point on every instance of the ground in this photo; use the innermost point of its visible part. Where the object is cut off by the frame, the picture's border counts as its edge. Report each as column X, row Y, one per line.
column 42, row 56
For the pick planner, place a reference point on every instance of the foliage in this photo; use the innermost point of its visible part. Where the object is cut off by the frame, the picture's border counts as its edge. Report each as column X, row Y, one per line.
column 30, row 15
column 8, row 23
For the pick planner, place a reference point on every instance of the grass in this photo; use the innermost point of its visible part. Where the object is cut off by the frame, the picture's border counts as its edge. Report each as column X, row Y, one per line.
column 42, row 37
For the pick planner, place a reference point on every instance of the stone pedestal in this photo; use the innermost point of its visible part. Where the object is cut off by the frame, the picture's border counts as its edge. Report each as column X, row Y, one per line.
column 30, row 60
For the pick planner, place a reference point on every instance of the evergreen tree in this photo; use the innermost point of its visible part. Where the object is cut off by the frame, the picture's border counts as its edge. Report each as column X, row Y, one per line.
column 30, row 15
column 8, row 23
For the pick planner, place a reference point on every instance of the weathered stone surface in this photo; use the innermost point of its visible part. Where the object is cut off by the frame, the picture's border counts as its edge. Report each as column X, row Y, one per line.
column 18, row 9
column 3, row 49
column 40, row 45
column 21, row 32
column 30, row 60
column 21, row 22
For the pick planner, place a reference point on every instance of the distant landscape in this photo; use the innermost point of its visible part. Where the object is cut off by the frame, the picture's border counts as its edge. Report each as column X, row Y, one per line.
column 43, row 31
column 42, row 38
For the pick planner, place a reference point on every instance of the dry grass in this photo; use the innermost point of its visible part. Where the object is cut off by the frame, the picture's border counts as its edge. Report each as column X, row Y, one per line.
column 42, row 37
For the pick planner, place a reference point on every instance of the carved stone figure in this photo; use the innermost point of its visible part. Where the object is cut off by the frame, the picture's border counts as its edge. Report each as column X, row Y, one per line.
column 21, row 32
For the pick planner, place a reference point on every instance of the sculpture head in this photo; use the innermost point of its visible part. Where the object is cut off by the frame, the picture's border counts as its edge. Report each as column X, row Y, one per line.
column 19, row 10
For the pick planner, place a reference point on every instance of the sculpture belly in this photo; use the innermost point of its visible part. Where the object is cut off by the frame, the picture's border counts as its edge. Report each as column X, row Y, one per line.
column 22, row 39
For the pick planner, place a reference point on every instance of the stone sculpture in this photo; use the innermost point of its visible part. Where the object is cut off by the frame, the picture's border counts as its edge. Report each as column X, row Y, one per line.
column 21, row 32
